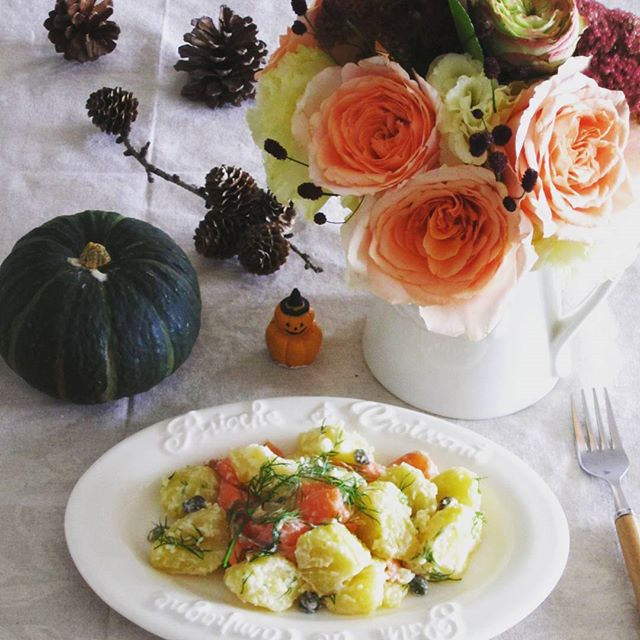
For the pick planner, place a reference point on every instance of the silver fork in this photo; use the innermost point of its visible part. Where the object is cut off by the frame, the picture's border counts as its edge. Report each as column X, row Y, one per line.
column 600, row 454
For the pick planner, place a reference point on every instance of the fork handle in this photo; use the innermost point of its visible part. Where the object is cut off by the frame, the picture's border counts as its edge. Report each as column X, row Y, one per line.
column 629, row 536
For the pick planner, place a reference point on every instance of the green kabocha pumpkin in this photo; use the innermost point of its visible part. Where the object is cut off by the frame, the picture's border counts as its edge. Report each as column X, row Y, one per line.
column 96, row 306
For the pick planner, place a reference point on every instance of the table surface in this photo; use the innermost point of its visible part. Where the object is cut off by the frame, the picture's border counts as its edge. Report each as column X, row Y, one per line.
column 53, row 161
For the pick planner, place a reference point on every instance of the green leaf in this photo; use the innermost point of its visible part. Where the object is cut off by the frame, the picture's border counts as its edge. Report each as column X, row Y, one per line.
column 466, row 31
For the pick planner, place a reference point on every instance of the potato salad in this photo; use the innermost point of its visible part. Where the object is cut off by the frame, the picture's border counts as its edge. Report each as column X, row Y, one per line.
column 327, row 526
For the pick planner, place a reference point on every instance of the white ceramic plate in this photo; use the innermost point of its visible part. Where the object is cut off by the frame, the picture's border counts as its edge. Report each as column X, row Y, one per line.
column 112, row 507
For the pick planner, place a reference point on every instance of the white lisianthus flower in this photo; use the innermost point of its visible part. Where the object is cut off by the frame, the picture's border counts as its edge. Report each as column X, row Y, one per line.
column 445, row 70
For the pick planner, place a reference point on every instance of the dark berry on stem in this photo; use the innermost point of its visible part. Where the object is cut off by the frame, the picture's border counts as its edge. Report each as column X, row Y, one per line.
column 510, row 204
column 275, row 149
column 319, row 218
column 498, row 162
column 484, row 28
column 361, row 457
column 193, row 504
column 502, row 134
column 479, row 143
column 477, row 114
column 309, row 191
column 529, row 179
column 299, row 7
column 491, row 68
column 419, row 585
column 309, row 602
column 520, row 72
column 299, row 28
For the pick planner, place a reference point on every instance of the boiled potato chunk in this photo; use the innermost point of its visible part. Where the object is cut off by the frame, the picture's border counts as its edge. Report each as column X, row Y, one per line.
column 347, row 476
column 362, row 594
column 194, row 544
column 394, row 594
column 384, row 524
column 420, row 492
column 461, row 484
column 447, row 541
column 247, row 462
column 185, row 483
column 328, row 556
column 272, row 582
column 421, row 520
column 333, row 439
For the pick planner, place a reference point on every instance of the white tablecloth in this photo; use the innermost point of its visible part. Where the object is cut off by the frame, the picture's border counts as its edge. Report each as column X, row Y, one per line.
column 54, row 161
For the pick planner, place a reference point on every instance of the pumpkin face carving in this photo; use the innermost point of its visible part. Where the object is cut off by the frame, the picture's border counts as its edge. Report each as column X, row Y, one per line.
column 293, row 325
column 293, row 337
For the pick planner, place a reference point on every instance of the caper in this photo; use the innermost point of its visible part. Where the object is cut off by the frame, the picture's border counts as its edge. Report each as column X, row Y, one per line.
column 309, row 602
column 361, row 456
column 446, row 502
column 194, row 504
column 419, row 585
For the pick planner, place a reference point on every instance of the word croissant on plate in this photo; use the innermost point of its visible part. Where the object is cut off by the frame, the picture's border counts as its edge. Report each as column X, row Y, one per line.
column 327, row 526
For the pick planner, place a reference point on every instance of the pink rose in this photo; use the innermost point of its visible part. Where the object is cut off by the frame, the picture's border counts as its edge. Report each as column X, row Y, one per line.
column 445, row 242
column 573, row 133
column 368, row 126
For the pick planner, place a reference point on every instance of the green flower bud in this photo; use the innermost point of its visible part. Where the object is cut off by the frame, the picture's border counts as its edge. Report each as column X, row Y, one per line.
column 534, row 35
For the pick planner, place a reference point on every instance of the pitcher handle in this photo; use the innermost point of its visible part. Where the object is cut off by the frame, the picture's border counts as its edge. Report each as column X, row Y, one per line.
column 565, row 327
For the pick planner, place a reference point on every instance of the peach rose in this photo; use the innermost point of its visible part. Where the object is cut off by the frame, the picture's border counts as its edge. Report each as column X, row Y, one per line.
column 574, row 133
column 290, row 42
column 368, row 126
column 445, row 242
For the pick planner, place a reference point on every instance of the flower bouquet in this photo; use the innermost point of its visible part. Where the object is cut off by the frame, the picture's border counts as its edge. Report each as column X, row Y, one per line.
column 469, row 141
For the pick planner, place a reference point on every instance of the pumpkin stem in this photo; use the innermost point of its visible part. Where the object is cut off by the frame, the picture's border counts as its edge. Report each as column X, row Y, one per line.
column 93, row 256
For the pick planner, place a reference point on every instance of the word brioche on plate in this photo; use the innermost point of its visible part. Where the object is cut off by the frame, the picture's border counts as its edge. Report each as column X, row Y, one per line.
column 327, row 526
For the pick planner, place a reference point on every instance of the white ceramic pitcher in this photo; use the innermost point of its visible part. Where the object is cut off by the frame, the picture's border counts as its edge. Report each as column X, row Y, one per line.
column 510, row 369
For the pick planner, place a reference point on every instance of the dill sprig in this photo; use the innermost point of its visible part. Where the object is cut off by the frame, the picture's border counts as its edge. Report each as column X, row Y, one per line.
column 435, row 573
column 189, row 542
column 272, row 497
column 478, row 520
column 404, row 485
column 245, row 580
column 158, row 530
column 438, row 576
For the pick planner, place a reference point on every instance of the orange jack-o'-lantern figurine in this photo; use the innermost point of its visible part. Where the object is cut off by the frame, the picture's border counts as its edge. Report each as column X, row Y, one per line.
column 293, row 337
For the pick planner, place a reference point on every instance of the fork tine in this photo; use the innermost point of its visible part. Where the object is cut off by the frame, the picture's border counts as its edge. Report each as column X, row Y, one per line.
column 593, row 445
column 604, row 436
column 581, row 445
column 616, row 440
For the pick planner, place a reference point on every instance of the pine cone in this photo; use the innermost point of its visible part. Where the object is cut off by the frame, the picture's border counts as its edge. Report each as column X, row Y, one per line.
column 81, row 29
column 266, row 208
column 113, row 110
column 221, row 60
column 262, row 249
column 226, row 185
column 217, row 237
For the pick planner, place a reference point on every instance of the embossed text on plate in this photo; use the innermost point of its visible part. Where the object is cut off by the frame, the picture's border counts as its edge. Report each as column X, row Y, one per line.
column 230, row 624
column 444, row 623
column 192, row 427
column 326, row 413
column 377, row 417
